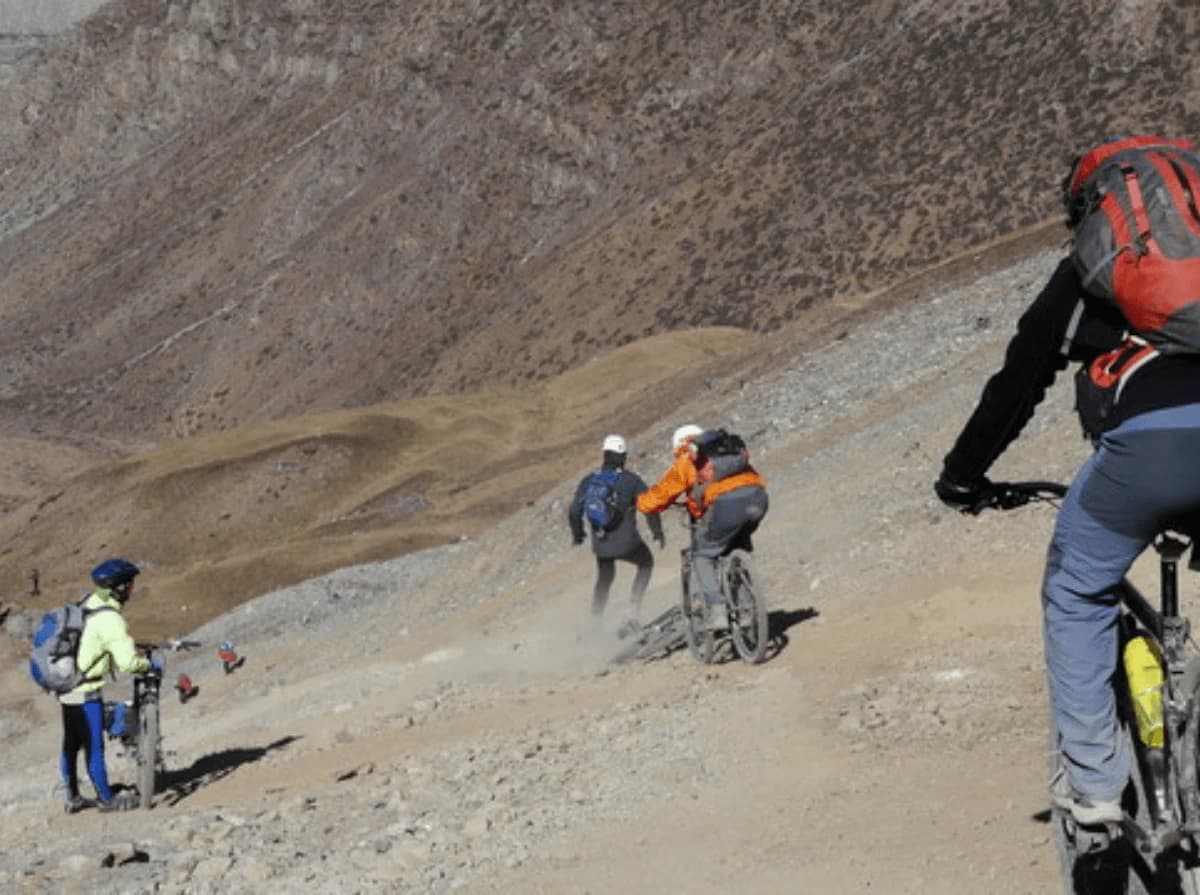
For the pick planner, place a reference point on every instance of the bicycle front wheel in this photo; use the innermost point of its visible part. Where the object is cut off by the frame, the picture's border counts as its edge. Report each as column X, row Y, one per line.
column 749, row 624
column 699, row 637
column 147, row 752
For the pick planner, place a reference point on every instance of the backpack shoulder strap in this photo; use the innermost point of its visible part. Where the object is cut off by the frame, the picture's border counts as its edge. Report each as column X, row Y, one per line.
column 88, row 613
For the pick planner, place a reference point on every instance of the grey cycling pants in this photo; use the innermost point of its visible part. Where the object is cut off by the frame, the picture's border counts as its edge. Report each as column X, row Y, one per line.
column 727, row 523
column 1145, row 472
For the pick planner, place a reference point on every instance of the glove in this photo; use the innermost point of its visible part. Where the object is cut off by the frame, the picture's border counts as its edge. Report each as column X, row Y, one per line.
column 962, row 496
column 157, row 663
column 660, row 539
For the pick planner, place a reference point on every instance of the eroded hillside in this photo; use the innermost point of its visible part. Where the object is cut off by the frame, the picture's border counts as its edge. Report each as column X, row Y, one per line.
column 221, row 215
column 219, row 212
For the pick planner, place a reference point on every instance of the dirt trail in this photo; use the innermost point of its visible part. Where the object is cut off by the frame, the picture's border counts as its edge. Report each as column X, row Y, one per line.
column 447, row 722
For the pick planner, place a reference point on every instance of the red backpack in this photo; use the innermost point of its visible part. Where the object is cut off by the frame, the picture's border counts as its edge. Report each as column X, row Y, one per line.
column 1134, row 206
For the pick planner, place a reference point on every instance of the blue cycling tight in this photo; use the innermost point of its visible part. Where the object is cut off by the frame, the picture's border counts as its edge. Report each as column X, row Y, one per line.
column 83, row 728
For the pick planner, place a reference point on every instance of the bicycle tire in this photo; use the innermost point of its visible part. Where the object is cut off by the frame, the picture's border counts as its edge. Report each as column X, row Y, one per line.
column 147, row 751
column 1187, row 769
column 1119, row 867
column 748, row 623
column 699, row 637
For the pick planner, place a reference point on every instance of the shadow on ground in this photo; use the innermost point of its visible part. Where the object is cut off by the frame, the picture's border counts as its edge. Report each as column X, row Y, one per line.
column 779, row 622
column 207, row 769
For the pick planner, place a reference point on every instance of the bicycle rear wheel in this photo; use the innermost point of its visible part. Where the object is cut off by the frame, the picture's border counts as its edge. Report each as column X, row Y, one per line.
column 147, row 751
column 699, row 637
column 1093, row 862
column 1186, row 756
column 748, row 621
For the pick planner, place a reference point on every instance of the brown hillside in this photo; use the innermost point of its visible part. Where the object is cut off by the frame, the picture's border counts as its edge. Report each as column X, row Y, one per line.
column 218, row 213
column 221, row 215
column 224, row 517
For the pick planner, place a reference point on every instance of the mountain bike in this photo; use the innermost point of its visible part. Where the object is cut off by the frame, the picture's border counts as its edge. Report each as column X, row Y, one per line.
column 659, row 637
column 745, row 601
column 1156, row 847
column 140, row 731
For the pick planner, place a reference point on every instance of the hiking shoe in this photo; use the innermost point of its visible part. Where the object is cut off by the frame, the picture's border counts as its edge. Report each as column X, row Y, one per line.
column 122, row 801
column 717, row 618
column 1086, row 810
column 75, row 804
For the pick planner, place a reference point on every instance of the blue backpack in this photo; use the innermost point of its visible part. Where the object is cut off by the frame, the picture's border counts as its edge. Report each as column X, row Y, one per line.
column 600, row 501
column 52, row 661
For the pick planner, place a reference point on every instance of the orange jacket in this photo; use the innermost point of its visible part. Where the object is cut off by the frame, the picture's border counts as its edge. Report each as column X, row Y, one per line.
column 677, row 480
column 740, row 480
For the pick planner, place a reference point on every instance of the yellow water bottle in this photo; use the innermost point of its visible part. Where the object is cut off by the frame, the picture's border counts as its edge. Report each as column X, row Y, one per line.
column 1144, row 670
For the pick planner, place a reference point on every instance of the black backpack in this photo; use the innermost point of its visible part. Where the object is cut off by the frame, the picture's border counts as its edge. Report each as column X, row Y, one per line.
column 726, row 451
column 719, row 443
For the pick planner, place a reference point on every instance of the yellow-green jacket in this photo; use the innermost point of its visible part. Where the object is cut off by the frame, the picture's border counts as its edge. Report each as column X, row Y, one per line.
column 106, row 643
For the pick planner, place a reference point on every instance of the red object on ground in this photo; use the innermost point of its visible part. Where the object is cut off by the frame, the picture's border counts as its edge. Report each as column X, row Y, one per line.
column 186, row 688
column 229, row 660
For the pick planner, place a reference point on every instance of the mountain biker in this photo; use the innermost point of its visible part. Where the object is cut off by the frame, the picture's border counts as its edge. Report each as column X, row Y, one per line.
column 727, row 504
column 1143, row 473
column 623, row 541
column 105, row 643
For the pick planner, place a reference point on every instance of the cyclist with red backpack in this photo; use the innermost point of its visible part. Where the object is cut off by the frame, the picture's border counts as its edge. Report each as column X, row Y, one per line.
column 726, row 496
column 105, row 644
column 606, row 500
column 1126, row 305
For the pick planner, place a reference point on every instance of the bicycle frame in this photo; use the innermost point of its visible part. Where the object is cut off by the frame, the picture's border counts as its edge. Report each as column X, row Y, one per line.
column 1163, row 850
column 748, row 627
column 1163, row 768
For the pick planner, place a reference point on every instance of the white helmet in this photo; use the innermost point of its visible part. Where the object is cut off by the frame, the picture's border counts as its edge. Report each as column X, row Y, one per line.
column 682, row 434
column 616, row 444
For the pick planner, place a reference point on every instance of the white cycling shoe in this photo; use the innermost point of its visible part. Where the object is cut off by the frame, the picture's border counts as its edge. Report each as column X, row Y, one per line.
column 1086, row 810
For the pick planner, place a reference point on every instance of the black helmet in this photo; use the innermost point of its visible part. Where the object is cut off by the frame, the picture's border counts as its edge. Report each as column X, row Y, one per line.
column 113, row 573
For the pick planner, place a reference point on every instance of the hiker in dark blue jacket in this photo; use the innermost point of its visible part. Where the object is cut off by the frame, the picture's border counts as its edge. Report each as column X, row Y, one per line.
column 617, row 537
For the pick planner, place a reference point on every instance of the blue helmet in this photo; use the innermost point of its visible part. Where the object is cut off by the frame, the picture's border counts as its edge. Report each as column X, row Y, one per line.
column 114, row 573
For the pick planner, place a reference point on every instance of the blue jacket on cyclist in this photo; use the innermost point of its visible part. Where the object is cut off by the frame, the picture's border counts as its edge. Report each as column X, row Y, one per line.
column 104, row 645
column 1142, row 474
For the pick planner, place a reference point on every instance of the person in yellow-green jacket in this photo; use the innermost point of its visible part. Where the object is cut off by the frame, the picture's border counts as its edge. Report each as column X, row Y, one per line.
column 105, row 646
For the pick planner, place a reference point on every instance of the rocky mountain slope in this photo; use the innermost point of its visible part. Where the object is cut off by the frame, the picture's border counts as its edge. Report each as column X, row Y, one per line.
column 448, row 721
column 218, row 214
column 289, row 287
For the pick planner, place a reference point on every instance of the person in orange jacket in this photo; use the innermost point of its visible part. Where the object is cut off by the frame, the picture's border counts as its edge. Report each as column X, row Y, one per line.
column 724, row 493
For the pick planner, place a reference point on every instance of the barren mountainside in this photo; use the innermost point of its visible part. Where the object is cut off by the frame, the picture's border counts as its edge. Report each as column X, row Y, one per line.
column 319, row 310
column 219, row 213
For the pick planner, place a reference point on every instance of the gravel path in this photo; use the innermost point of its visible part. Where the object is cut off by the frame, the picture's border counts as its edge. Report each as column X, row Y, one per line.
column 443, row 721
